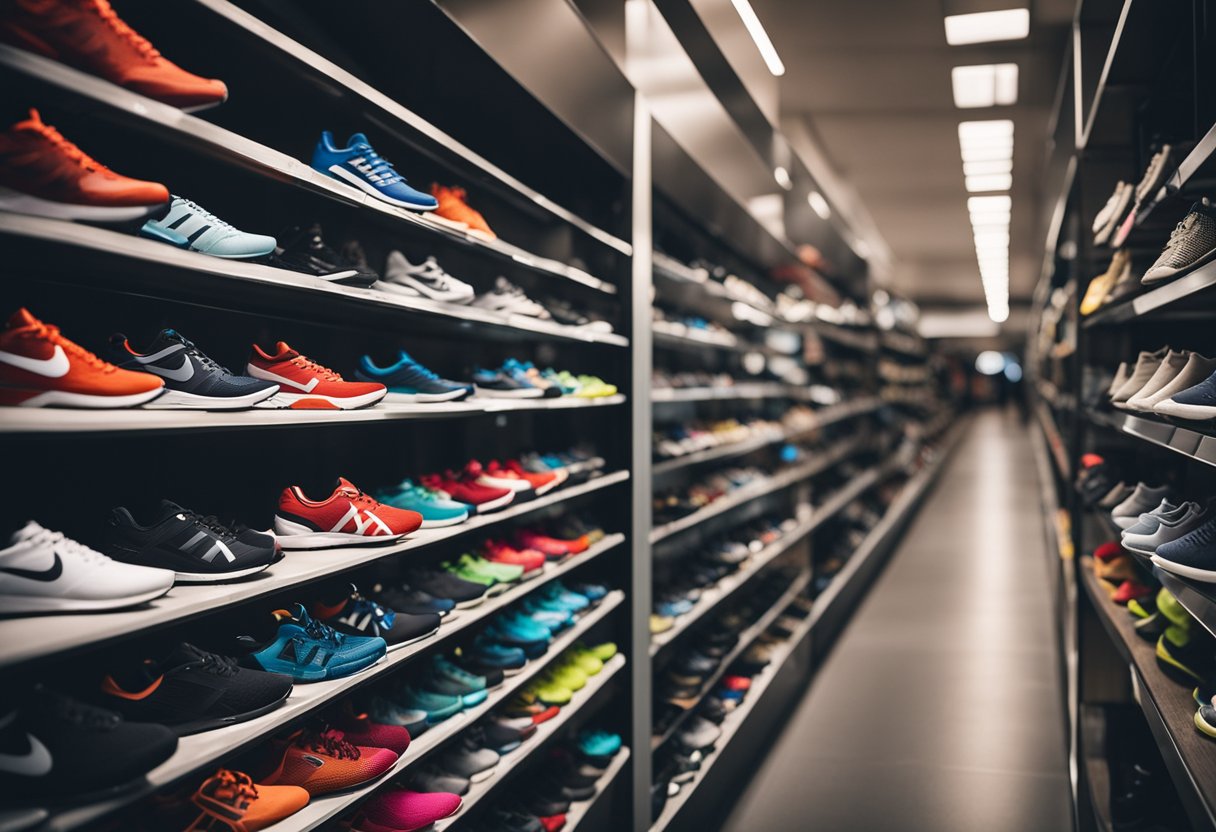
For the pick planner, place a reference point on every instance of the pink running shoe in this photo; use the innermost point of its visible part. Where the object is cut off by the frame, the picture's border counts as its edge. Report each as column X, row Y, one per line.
column 403, row 810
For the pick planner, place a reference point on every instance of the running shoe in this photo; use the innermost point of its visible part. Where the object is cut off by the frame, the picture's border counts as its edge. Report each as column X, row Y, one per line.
column 193, row 381
column 358, row 164
column 503, row 735
column 425, row 280
column 43, row 571
column 309, row 650
column 352, row 614
column 404, row 810
column 593, row 387
column 469, row 760
column 1196, row 403
column 525, row 373
column 434, row 506
column 410, row 382
column 598, row 744
column 437, row 706
column 517, row 631
column 90, row 36
column 191, row 690
column 384, row 710
column 1168, row 525
column 510, row 299
column 452, row 205
column 1192, row 555
column 443, row 584
column 530, row 560
column 306, row 385
column 480, row 570
column 452, row 680
column 323, row 762
column 463, row 487
column 542, row 482
column 496, row 384
column 347, row 517
column 229, row 800
column 44, row 174
column 488, row 654
column 413, row 601
column 552, row 547
column 1144, row 499
column 41, row 368
column 434, row 780
column 360, row 729
column 198, row 549
column 500, row 478
column 1191, row 244
column 303, row 249
column 186, row 224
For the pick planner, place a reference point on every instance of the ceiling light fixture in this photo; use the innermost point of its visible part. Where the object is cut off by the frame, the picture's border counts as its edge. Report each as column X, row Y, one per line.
column 985, row 85
column 985, row 27
column 756, row 29
column 987, row 167
column 819, row 204
column 783, row 177
column 990, row 215
column 990, row 182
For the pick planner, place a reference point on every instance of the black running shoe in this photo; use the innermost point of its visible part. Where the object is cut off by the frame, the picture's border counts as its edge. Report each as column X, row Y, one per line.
column 191, row 690
column 55, row 747
column 349, row 612
column 198, row 549
column 304, row 250
column 193, row 381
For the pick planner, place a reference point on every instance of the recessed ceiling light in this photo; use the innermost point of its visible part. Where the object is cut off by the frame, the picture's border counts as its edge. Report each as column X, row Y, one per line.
column 760, row 37
column 985, row 27
column 819, row 204
column 989, row 182
column 985, row 85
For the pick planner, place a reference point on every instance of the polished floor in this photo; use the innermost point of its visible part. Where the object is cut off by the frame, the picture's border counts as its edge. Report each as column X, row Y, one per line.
column 939, row 709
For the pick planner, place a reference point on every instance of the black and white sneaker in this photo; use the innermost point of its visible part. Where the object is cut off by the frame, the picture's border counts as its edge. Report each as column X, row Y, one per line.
column 304, row 250
column 193, row 381
column 509, row 299
column 198, row 549
column 426, row 280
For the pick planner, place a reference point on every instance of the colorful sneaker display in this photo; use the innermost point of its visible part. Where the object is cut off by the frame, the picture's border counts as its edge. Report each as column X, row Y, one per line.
column 464, row 487
column 347, row 517
column 41, row 368
column 44, row 174
column 359, row 164
column 230, row 800
column 306, row 385
column 308, row 650
column 409, row 382
column 434, row 506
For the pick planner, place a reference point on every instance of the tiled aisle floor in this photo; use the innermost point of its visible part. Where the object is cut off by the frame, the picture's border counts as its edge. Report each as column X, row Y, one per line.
column 939, row 708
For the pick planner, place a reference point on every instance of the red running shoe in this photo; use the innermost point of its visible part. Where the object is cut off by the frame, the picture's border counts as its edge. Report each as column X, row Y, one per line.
column 465, row 488
column 348, row 517
column 553, row 548
column 541, row 482
column 324, row 762
column 44, row 174
column 736, row 683
column 499, row 552
column 88, row 35
column 358, row 729
column 306, row 385
column 1131, row 591
column 553, row 823
column 41, row 368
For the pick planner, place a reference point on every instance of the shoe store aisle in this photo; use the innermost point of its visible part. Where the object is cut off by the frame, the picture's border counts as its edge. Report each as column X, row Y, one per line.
column 939, row 707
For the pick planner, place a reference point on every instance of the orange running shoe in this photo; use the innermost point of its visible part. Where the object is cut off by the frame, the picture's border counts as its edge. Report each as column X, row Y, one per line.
column 43, row 173
column 232, row 803
column 88, row 35
column 453, row 207
column 41, row 368
column 324, row 762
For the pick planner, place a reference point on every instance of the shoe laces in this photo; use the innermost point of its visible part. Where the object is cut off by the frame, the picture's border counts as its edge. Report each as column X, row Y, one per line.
column 78, row 713
column 425, row 372
column 379, row 167
column 306, row 363
column 1180, row 230
column 210, row 218
column 329, row 742
column 58, row 540
column 111, row 18
column 434, row 272
column 319, row 630
column 69, row 149
column 210, row 522
column 234, row 785
column 49, row 332
column 213, row 663
column 383, row 616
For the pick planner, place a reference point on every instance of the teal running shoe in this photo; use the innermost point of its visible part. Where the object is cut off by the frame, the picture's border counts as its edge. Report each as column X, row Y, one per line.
column 446, row 677
column 382, row 709
column 570, row 599
column 434, row 506
column 438, row 706
column 555, row 620
column 187, row 225
column 598, row 743
column 308, row 650
column 510, row 660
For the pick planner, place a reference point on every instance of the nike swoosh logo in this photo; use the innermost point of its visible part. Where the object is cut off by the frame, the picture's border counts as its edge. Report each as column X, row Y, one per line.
column 45, row 575
column 34, row 763
column 183, row 373
column 56, row 366
column 285, row 383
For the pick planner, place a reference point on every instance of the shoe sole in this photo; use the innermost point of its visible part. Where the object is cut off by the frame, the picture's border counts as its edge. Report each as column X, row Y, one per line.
column 16, row 397
column 341, row 173
column 1189, row 412
column 413, row 640
column 438, row 524
column 496, row 503
column 525, row 393
column 427, row 398
column 1203, row 726
column 187, row 728
column 1189, row 267
column 217, row 577
column 482, row 776
column 179, row 400
column 22, row 203
column 294, row 536
column 32, row 605
column 415, row 289
column 312, row 401
column 1204, row 575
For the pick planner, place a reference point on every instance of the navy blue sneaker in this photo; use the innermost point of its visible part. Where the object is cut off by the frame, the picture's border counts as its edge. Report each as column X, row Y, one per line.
column 1193, row 555
column 360, row 165
column 1196, row 403
column 496, row 384
column 192, row 380
column 409, row 381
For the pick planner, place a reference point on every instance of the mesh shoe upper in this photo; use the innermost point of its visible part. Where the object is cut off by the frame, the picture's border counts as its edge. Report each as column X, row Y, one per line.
column 1192, row 241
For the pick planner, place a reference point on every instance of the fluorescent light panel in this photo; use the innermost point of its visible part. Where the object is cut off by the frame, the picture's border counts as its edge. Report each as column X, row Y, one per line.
column 985, row 27
column 760, row 37
column 987, row 167
column 990, row 182
column 984, row 85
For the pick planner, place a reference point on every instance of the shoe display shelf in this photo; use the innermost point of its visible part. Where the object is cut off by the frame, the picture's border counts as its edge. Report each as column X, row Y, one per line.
column 325, row 809
column 1193, row 444
column 581, row 809
column 513, row 761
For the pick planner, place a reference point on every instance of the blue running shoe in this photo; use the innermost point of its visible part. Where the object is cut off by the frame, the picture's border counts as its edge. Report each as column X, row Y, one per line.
column 598, row 743
column 572, row 600
column 360, row 165
column 519, row 372
column 408, row 381
column 438, row 706
column 434, row 506
column 382, row 709
column 496, row 384
column 555, row 620
column 485, row 653
column 592, row 592
column 1193, row 555
column 310, row 651
column 186, row 224
column 453, row 680
column 516, row 631
column 1195, row 404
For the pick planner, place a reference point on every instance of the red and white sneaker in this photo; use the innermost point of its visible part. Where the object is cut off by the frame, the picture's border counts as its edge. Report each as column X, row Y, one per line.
column 348, row 517
column 306, row 385
column 41, row 368
column 467, row 490
column 553, row 548
column 542, row 482
column 500, row 478
column 498, row 551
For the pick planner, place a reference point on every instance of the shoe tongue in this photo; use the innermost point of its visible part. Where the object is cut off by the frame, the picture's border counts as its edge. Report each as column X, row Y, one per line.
column 169, row 508
column 183, row 653
column 357, row 138
column 32, row 123
column 347, row 487
column 22, row 318
column 284, row 352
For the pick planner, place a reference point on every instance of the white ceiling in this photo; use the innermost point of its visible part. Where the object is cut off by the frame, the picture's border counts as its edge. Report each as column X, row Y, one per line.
column 869, row 80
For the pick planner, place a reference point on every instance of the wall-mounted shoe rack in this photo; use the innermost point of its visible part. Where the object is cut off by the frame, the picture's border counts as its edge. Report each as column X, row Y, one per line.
column 1138, row 78
column 760, row 458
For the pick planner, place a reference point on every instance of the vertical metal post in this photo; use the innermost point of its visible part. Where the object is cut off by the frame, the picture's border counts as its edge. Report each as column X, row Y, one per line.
column 641, row 359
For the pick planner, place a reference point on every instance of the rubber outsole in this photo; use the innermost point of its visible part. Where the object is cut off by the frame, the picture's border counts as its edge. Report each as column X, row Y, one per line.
column 32, row 605
column 1205, row 575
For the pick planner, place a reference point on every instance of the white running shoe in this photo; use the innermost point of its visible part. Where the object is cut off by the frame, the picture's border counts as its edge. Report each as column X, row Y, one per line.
column 43, row 571
column 508, row 298
column 426, row 280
